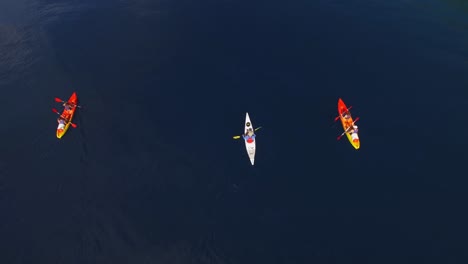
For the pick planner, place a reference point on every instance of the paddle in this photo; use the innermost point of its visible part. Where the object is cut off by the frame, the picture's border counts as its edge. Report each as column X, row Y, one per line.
column 349, row 128
column 58, row 100
column 237, row 137
column 338, row 117
column 58, row 113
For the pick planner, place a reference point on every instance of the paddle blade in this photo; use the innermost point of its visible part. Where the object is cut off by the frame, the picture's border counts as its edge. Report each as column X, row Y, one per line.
column 257, row 128
column 355, row 120
column 55, row 111
column 73, row 125
column 58, row 100
column 236, row 137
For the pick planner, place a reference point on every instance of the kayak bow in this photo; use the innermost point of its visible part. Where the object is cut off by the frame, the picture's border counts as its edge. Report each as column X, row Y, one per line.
column 347, row 122
column 67, row 116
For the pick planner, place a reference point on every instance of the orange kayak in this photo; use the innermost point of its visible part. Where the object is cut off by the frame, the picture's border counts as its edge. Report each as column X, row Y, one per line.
column 347, row 122
column 67, row 114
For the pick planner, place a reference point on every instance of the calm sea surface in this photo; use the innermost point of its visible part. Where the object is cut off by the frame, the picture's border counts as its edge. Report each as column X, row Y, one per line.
column 152, row 174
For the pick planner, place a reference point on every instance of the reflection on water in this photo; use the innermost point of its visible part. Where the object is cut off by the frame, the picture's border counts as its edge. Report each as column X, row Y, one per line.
column 453, row 17
column 16, row 51
column 144, row 8
column 55, row 12
column 79, row 221
column 23, row 33
column 453, row 13
column 461, row 5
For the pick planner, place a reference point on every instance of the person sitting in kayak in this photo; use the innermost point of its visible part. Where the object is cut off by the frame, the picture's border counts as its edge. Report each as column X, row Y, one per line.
column 61, row 120
column 355, row 129
column 354, row 133
column 352, row 129
column 249, row 135
column 68, row 106
column 346, row 115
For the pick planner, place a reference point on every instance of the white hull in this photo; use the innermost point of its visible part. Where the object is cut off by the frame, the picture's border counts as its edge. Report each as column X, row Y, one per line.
column 250, row 147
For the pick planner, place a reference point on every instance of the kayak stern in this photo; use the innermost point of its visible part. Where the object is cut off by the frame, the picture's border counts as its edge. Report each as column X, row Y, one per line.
column 62, row 129
column 355, row 142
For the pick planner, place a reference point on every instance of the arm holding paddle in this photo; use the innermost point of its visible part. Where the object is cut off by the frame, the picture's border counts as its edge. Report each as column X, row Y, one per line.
column 63, row 118
column 348, row 129
column 347, row 110
column 58, row 100
column 237, row 137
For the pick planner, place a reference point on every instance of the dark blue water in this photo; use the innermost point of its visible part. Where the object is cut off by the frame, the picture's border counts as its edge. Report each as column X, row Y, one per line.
column 152, row 175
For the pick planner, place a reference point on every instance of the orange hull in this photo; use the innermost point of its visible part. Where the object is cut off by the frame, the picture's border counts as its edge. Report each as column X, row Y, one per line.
column 68, row 115
column 347, row 122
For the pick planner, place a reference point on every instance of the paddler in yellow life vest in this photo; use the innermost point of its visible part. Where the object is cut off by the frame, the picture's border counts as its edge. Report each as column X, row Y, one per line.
column 249, row 135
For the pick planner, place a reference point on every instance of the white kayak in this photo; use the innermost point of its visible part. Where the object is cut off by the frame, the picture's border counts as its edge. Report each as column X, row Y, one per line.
column 249, row 142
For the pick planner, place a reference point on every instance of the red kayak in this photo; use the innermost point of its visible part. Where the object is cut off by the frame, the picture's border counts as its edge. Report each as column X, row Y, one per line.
column 65, row 118
column 349, row 126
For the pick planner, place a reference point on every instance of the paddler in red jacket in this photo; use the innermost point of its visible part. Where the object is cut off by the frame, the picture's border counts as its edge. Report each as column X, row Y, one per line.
column 249, row 135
